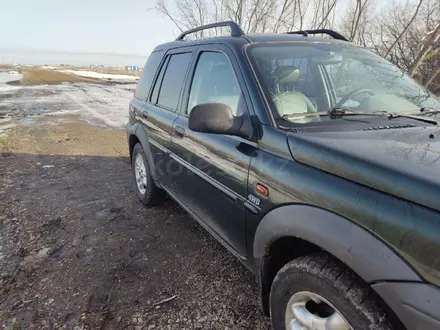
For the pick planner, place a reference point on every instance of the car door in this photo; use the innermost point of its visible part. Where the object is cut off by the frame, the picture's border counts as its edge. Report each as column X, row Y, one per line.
column 160, row 111
column 213, row 169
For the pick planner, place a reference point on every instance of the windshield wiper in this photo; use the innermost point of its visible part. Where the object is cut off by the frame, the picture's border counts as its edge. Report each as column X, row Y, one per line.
column 341, row 112
column 429, row 110
column 419, row 118
column 336, row 113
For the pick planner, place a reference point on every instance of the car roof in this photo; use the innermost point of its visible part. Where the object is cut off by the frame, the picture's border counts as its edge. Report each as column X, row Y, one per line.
column 246, row 39
column 284, row 37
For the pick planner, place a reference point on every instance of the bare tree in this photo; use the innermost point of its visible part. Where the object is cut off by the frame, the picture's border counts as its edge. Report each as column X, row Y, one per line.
column 431, row 77
column 406, row 37
column 406, row 33
column 355, row 24
column 358, row 13
column 430, row 48
column 322, row 13
column 302, row 11
column 404, row 29
column 251, row 15
column 290, row 13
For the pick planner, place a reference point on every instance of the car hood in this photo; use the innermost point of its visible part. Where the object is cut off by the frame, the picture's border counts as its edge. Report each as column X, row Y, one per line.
column 401, row 162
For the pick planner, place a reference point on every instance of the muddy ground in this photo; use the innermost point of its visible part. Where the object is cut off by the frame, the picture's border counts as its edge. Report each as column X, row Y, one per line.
column 77, row 250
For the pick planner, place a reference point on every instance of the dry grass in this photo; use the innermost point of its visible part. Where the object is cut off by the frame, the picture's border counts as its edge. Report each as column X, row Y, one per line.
column 41, row 76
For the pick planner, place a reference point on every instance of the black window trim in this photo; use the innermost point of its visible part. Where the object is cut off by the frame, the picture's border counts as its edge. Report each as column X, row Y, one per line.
column 158, row 79
column 201, row 49
column 165, row 62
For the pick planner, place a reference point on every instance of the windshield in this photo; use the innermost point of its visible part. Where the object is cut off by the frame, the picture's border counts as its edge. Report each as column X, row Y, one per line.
column 303, row 78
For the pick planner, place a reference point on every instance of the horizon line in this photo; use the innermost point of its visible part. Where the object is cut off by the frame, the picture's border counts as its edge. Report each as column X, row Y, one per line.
column 69, row 52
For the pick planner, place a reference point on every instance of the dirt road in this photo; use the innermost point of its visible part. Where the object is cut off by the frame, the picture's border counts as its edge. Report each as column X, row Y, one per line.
column 77, row 250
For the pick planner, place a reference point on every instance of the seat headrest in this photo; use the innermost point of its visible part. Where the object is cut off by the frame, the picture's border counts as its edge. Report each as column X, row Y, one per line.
column 286, row 74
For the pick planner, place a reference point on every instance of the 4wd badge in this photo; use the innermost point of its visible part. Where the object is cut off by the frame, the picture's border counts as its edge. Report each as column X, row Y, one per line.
column 254, row 200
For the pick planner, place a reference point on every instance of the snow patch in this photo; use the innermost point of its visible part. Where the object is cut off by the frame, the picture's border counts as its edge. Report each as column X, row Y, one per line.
column 92, row 74
column 5, row 129
column 97, row 104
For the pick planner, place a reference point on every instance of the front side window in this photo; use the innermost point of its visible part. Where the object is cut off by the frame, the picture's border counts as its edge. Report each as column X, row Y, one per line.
column 323, row 76
column 173, row 79
column 214, row 81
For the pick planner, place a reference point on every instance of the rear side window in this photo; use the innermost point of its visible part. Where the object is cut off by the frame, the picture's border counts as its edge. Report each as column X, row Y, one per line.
column 173, row 79
column 144, row 84
column 155, row 92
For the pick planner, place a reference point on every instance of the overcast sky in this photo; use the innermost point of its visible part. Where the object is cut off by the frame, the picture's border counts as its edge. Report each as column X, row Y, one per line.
column 103, row 26
column 86, row 26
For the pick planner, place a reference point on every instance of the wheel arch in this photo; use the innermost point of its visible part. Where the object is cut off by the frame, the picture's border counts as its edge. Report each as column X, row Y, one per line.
column 294, row 230
column 132, row 141
column 137, row 134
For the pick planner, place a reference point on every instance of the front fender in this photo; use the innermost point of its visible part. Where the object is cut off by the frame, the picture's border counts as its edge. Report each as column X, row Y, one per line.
column 365, row 254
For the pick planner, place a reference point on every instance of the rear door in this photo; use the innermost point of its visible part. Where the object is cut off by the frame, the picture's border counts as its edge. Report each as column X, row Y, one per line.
column 213, row 169
column 160, row 110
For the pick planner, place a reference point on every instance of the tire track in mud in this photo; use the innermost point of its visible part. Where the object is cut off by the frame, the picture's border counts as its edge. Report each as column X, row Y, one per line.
column 96, row 114
column 93, row 97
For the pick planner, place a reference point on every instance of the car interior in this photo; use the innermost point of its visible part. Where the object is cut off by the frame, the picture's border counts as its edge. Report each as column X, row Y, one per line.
column 290, row 102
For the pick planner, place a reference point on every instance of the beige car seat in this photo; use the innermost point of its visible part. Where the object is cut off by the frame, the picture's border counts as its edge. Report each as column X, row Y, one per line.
column 288, row 103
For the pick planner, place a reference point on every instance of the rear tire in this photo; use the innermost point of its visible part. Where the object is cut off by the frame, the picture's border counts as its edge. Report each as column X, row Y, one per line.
column 146, row 190
column 320, row 287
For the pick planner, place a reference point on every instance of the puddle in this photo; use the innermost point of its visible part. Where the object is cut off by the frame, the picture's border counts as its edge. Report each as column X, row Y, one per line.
column 10, row 76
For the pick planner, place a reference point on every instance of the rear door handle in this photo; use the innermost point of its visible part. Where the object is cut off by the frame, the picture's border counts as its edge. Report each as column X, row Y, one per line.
column 179, row 131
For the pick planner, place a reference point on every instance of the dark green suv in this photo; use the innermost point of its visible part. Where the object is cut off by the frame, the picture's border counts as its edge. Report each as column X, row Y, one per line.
column 314, row 161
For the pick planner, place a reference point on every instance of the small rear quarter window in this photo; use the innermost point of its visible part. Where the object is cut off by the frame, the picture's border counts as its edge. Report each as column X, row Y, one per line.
column 144, row 84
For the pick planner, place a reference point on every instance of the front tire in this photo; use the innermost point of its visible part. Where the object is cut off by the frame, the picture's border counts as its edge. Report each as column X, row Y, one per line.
column 146, row 190
column 317, row 292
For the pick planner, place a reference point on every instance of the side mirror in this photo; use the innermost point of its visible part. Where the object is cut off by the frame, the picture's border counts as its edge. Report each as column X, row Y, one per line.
column 217, row 118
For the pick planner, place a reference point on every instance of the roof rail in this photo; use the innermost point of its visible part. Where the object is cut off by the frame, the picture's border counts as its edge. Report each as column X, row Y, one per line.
column 236, row 31
column 331, row 33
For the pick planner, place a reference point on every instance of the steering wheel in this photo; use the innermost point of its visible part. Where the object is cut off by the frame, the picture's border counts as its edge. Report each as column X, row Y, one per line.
column 350, row 95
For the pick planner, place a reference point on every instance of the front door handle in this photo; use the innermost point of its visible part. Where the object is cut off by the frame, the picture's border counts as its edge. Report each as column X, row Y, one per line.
column 179, row 131
column 144, row 114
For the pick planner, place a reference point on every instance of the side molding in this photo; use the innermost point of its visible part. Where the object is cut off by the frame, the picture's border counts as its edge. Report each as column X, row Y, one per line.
column 366, row 255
